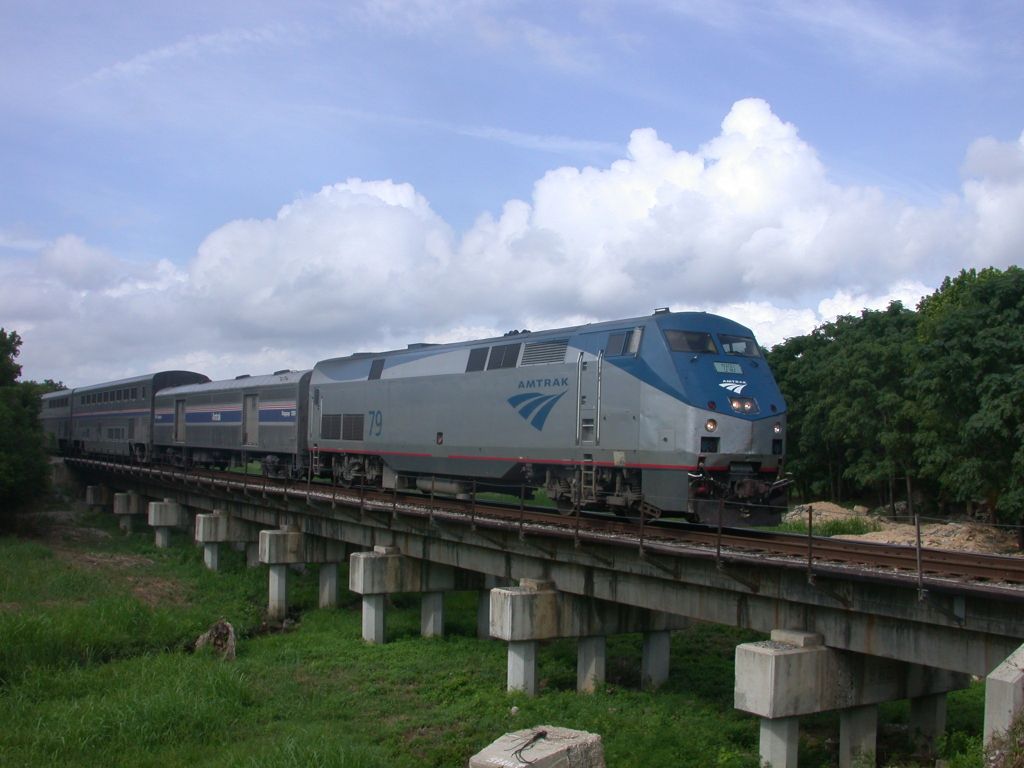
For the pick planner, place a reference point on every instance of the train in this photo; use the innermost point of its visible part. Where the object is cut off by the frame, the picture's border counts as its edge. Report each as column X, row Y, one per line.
column 671, row 414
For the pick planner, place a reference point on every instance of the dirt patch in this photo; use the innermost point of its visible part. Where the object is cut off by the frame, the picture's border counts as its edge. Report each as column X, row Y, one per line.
column 963, row 537
column 151, row 590
column 823, row 511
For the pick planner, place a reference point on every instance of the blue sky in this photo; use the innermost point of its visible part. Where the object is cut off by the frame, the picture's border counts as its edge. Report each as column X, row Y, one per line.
column 226, row 177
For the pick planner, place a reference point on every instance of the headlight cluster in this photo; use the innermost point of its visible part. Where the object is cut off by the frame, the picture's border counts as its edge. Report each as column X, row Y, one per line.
column 745, row 405
column 710, row 425
column 777, row 427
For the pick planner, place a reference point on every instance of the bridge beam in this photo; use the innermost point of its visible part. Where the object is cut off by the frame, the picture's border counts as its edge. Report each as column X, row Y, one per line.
column 386, row 571
column 218, row 528
column 536, row 610
column 279, row 549
column 1004, row 696
column 794, row 674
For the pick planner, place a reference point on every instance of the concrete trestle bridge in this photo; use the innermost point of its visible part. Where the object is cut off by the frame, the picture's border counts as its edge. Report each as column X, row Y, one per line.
column 846, row 634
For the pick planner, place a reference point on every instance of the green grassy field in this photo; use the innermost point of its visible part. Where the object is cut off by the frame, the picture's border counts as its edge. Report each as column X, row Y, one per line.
column 96, row 668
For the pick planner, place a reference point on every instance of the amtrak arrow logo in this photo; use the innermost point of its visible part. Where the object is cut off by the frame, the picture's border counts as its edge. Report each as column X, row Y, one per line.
column 534, row 407
column 736, row 387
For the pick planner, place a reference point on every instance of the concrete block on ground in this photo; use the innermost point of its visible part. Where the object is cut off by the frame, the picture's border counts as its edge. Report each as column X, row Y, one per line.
column 1004, row 695
column 545, row 746
column 288, row 547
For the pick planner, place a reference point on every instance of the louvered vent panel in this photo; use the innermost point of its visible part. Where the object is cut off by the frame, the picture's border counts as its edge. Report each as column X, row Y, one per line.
column 540, row 352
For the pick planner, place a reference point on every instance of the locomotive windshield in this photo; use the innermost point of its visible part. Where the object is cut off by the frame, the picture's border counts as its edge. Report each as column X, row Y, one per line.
column 739, row 345
column 690, row 341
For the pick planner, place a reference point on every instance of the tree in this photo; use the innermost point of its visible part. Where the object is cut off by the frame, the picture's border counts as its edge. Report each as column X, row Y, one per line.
column 23, row 464
column 969, row 378
column 9, row 349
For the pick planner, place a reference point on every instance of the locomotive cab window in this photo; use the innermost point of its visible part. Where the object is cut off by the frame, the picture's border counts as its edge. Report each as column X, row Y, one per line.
column 744, row 346
column 623, row 343
column 376, row 368
column 690, row 341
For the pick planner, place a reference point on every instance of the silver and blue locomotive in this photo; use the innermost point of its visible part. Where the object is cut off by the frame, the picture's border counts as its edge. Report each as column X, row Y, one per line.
column 669, row 413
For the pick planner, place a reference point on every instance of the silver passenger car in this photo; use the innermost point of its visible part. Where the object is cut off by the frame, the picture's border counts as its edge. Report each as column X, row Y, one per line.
column 232, row 422
column 55, row 417
column 116, row 418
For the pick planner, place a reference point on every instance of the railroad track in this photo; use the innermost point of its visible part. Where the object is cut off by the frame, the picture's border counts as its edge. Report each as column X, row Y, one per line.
column 926, row 566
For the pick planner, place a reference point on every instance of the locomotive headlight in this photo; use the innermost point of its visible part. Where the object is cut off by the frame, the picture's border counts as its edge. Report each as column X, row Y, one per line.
column 710, row 425
column 777, row 428
column 745, row 405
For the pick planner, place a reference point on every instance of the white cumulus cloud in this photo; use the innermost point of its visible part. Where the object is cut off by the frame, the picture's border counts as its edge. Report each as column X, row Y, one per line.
column 748, row 224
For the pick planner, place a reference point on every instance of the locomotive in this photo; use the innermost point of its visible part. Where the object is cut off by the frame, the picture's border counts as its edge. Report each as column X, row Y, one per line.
column 673, row 414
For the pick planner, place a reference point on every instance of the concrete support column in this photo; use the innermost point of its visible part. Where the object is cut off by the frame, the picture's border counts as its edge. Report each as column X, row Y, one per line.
column 216, row 528
column 97, row 497
column 126, row 507
column 163, row 516
column 211, row 556
column 858, row 734
column 779, row 741
column 374, row 627
column 655, row 661
column 432, row 614
column 927, row 722
column 387, row 571
column 1004, row 695
column 535, row 610
column 591, row 659
column 522, row 666
column 281, row 549
column 277, row 603
column 483, row 615
column 329, row 585
column 793, row 674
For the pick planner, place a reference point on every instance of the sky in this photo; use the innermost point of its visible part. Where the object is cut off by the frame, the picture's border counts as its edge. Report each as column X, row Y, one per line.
column 235, row 187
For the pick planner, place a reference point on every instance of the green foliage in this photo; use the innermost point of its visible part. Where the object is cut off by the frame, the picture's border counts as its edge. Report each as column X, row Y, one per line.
column 934, row 398
column 10, row 348
column 970, row 376
column 23, row 470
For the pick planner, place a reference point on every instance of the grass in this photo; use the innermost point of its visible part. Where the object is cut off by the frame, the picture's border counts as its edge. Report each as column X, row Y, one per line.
column 95, row 671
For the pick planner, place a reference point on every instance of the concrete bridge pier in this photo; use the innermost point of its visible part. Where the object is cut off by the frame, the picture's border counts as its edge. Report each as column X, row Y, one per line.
column 128, row 508
column 218, row 528
column 282, row 548
column 97, row 497
column 1004, row 696
column 536, row 610
column 385, row 570
column 794, row 674
column 165, row 515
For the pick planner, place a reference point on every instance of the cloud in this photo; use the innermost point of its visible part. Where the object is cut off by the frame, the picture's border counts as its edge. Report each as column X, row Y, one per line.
column 748, row 224
column 192, row 47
